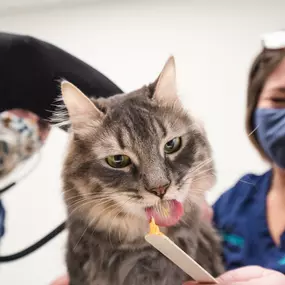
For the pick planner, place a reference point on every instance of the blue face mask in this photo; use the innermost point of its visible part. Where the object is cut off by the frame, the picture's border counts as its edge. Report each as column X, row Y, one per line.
column 270, row 131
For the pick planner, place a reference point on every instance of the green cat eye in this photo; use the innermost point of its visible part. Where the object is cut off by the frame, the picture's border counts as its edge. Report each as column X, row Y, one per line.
column 172, row 145
column 118, row 161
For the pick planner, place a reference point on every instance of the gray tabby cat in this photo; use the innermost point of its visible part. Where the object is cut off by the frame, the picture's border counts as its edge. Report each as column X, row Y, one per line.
column 132, row 157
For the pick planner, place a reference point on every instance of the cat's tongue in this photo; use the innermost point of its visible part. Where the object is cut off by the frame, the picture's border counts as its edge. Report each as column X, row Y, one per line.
column 166, row 214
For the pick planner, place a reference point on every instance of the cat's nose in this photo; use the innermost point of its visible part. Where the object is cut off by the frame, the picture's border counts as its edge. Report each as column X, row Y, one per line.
column 159, row 190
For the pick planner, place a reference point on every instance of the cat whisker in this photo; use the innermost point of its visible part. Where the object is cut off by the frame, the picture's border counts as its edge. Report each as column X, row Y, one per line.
column 83, row 234
column 195, row 194
column 205, row 171
column 204, row 177
column 192, row 182
column 90, row 223
column 67, row 190
column 253, row 131
column 80, row 206
column 193, row 175
column 190, row 175
column 125, row 216
column 199, row 166
column 77, row 197
column 202, row 163
column 107, row 201
column 94, row 196
column 104, row 210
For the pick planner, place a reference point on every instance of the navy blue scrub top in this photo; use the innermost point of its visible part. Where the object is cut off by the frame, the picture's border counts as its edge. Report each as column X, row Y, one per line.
column 240, row 217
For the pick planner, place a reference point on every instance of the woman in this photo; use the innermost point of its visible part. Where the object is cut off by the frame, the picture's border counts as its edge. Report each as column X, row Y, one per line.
column 251, row 215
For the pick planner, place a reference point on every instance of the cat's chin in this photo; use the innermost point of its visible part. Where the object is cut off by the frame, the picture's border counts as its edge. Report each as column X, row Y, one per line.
column 166, row 214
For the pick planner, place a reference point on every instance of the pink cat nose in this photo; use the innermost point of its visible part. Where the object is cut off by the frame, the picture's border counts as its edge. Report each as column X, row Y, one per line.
column 160, row 190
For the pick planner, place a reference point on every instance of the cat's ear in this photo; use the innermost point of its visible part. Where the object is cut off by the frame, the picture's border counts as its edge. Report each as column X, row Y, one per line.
column 80, row 108
column 166, row 87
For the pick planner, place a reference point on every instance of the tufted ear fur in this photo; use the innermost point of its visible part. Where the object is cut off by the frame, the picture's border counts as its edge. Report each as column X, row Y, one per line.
column 80, row 108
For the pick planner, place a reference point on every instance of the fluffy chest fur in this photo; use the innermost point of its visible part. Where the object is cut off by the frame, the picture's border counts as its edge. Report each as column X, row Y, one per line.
column 96, row 257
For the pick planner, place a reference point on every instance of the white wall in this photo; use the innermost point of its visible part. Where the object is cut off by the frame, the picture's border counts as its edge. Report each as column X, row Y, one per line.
column 214, row 43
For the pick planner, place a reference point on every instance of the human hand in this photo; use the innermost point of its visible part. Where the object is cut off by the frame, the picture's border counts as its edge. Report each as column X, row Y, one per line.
column 249, row 275
column 61, row 281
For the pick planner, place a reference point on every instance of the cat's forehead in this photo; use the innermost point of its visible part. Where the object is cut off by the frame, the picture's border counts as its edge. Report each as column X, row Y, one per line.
column 138, row 96
column 142, row 124
column 139, row 105
column 135, row 118
column 143, row 116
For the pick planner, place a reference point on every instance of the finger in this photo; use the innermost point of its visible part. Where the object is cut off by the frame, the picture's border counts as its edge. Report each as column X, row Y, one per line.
column 242, row 274
column 237, row 276
column 64, row 280
column 196, row 283
column 252, row 275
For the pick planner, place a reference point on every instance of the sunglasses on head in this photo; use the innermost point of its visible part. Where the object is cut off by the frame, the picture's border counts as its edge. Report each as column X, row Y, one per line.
column 274, row 41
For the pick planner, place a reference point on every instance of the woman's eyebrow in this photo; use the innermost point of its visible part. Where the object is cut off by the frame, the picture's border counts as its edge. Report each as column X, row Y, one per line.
column 279, row 89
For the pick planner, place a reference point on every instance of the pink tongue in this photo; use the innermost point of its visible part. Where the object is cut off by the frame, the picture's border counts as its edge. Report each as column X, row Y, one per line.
column 167, row 214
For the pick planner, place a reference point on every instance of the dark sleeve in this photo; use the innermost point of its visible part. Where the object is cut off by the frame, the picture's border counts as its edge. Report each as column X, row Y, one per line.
column 30, row 70
column 2, row 220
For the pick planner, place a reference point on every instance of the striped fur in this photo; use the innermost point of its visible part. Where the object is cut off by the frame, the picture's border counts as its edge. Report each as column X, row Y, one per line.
column 107, row 220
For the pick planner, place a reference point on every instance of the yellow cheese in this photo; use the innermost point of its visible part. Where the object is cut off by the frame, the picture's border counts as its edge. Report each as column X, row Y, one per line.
column 153, row 228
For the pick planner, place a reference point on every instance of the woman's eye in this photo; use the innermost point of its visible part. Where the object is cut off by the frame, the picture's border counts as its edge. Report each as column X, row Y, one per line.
column 118, row 161
column 278, row 100
column 172, row 145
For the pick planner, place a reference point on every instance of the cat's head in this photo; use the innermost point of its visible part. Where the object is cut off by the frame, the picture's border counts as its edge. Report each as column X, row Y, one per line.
column 134, row 155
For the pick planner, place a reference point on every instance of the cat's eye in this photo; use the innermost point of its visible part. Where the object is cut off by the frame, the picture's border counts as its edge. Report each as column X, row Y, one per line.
column 172, row 145
column 118, row 161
